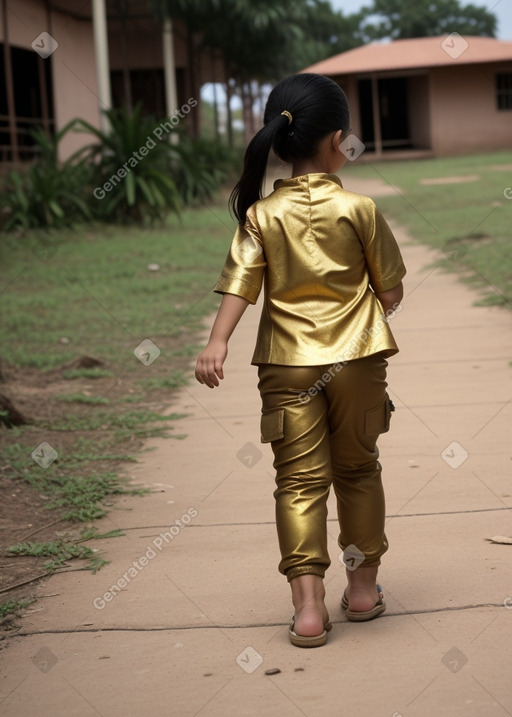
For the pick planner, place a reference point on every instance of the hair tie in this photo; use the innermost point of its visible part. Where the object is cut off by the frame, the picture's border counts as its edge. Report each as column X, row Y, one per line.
column 289, row 115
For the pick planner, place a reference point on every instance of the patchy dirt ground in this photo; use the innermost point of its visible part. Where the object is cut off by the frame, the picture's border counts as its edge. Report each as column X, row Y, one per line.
column 24, row 515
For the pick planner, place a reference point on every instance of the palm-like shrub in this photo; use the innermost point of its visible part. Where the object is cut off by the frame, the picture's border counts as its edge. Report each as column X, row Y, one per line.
column 131, row 169
column 131, row 173
column 49, row 194
column 201, row 166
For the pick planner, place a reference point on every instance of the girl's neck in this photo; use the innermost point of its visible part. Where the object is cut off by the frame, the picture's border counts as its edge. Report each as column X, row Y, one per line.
column 328, row 159
column 313, row 165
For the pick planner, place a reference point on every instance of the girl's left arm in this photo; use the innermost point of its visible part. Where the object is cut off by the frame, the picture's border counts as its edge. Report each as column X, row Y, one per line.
column 211, row 359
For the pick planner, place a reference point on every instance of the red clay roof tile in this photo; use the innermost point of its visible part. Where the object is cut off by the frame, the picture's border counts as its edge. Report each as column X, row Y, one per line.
column 421, row 52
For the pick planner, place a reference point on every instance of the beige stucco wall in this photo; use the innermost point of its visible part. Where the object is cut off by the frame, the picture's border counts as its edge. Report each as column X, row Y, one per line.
column 75, row 87
column 463, row 110
column 73, row 67
column 73, row 62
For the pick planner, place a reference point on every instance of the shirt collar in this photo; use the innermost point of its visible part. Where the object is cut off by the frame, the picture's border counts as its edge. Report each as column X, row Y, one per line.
column 297, row 181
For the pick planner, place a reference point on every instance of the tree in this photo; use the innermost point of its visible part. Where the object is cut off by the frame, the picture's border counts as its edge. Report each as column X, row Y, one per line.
column 195, row 14
column 427, row 18
column 327, row 32
column 259, row 41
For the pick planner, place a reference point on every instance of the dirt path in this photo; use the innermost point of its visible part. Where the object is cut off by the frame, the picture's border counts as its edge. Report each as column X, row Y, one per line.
column 191, row 611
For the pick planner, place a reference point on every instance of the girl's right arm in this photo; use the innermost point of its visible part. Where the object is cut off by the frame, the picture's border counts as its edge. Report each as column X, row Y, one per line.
column 211, row 359
column 391, row 298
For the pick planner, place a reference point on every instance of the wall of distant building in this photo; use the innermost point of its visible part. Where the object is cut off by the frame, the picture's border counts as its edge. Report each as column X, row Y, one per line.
column 465, row 115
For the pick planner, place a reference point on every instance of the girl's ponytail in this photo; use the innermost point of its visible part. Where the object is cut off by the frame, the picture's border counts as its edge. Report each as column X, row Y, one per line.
column 248, row 189
column 300, row 111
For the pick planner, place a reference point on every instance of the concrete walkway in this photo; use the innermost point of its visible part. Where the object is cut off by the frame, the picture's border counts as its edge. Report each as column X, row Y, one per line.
column 191, row 612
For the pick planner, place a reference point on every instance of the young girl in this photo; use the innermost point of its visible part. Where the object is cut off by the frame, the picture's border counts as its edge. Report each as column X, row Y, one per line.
column 331, row 268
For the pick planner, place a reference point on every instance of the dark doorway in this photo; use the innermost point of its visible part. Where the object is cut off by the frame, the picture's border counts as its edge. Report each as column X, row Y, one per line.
column 32, row 99
column 366, row 113
column 393, row 114
column 148, row 89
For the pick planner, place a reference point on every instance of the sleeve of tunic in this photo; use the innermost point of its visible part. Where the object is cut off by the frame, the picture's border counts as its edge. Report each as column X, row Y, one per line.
column 245, row 264
column 383, row 258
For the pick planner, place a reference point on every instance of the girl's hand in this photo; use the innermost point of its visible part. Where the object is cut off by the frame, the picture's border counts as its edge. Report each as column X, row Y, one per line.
column 210, row 361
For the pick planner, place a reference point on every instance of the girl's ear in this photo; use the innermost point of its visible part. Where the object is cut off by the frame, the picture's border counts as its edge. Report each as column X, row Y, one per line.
column 336, row 140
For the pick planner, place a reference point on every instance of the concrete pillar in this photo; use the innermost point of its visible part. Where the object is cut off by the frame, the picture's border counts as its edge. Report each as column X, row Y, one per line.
column 99, row 21
column 377, row 131
column 171, row 95
column 9, row 82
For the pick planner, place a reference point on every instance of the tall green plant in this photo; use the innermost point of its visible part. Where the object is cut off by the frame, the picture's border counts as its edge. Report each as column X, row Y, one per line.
column 131, row 169
column 200, row 166
column 50, row 194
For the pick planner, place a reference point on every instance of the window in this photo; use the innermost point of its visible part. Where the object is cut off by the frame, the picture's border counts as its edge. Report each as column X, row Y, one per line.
column 33, row 103
column 504, row 91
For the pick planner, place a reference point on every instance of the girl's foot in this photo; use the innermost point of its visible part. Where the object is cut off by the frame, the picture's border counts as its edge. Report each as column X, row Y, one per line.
column 362, row 593
column 311, row 616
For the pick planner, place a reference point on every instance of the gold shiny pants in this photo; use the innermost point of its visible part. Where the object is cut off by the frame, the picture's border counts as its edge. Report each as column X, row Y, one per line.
column 323, row 423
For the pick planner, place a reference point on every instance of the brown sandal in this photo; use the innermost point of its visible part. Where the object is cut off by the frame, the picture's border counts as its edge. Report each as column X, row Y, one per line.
column 309, row 640
column 363, row 616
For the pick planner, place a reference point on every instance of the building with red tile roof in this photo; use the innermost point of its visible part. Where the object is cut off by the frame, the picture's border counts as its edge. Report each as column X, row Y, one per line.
column 435, row 95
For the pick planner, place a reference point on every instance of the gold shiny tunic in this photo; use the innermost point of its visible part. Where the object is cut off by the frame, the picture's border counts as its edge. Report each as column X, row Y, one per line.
column 320, row 251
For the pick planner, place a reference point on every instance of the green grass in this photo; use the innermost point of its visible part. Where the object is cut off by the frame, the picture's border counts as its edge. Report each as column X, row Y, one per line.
column 97, row 294
column 78, row 495
column 75, row 373
column 65, row 549
column 13, row 606
column 95, row 297
column 468, row 222
column 61, row 552
column 81, row 398
column 86, row 450
column 175, row 380
column 118, row 426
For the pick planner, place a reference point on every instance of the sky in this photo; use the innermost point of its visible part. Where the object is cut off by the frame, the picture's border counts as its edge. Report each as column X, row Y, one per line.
column 501, row 8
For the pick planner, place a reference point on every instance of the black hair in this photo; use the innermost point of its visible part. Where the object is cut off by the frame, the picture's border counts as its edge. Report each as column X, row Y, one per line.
column 317, row 105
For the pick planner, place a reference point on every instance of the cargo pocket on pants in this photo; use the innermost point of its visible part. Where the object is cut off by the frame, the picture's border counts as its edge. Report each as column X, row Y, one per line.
column 376, row 420
column 272, row 425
